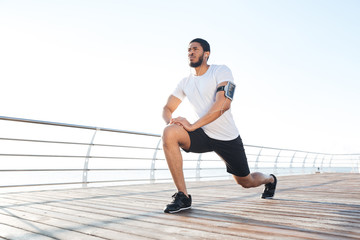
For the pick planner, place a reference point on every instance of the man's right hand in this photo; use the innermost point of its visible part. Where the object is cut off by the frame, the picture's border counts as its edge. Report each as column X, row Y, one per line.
column 181, row 121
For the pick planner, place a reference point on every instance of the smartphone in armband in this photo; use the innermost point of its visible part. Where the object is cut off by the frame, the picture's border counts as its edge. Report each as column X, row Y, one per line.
column 229, row 90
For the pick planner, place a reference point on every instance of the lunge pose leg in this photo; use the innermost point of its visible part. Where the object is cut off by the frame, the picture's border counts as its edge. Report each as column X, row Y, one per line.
column 210, row 90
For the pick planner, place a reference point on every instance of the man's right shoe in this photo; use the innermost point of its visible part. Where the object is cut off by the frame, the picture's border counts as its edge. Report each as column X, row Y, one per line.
column 269, row 191
column 180, row 202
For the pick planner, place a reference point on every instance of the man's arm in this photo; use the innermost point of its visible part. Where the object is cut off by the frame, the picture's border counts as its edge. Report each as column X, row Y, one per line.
column 171, row 105
column 221, row 105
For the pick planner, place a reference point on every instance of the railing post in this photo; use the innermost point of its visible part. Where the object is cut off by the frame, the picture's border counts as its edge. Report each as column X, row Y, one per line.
column 315, row 160
column 291, row 162
column 276, row 162
column 198, row 167
column 153, row 161
column 322, row 162
column 317, row 170
column 332, row 156
column 86, row 163
column 303, row 165
column 355, row 164
column 257, row 158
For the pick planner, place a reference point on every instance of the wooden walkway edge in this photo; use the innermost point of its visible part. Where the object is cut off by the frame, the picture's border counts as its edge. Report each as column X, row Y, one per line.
column 316, row 206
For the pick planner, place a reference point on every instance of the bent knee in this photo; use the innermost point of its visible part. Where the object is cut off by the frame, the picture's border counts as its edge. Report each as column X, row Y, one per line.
column 172, row 133
column 244, row 182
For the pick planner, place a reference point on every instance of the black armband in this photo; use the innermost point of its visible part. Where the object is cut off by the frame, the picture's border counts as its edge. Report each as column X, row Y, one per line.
column 229, row 90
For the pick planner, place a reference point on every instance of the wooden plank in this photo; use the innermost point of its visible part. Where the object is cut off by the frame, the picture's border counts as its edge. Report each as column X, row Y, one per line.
column 138, row 223
column 13, row 227
column 10, row 232
column 317, row 206
column 127, row 201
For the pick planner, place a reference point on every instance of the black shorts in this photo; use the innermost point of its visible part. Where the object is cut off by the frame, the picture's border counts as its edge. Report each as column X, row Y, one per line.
column 232, row 152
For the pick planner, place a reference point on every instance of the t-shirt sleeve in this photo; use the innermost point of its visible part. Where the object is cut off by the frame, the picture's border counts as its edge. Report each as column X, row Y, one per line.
column 179, row 91
column 224, row 74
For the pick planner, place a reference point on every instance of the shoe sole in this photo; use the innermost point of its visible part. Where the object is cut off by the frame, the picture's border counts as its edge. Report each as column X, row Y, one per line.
column 181, row 209
column 267, row 197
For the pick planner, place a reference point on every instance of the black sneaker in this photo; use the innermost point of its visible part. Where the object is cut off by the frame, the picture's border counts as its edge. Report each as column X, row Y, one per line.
column 269, row 191
column 180, row 202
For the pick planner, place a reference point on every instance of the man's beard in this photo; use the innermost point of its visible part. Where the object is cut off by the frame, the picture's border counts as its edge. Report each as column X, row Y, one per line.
column 198, row 63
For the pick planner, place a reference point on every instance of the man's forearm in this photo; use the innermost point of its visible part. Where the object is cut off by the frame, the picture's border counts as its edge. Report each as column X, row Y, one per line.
column 167, row 115
column 214, row 113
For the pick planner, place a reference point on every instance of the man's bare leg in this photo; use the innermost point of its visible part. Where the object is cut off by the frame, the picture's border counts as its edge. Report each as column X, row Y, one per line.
column 174, row 137
column 254, row 179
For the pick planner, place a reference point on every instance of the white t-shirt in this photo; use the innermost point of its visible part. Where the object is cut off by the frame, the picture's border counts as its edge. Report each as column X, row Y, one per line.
column 201, row 92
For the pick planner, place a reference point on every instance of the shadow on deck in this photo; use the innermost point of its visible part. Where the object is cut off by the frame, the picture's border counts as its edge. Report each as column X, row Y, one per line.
column 317, row 206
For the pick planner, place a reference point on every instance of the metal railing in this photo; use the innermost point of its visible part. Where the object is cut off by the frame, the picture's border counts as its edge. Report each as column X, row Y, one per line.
column 37, row 153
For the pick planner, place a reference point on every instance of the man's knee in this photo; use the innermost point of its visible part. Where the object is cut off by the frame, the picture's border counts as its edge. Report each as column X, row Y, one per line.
column 246, row 185
column 170, row 134
column 245, row 182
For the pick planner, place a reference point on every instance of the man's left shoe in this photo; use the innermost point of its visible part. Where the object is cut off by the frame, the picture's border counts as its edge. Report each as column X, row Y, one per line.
column 180, row 202
column 269, row 191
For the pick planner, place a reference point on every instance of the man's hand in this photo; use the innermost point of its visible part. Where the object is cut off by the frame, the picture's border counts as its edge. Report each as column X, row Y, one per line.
column 181, row 121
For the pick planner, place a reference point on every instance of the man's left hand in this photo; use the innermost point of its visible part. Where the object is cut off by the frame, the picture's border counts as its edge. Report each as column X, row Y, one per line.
column 183, row 122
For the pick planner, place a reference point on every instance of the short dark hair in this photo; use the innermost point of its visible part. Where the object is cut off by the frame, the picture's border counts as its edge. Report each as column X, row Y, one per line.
column 204, row 44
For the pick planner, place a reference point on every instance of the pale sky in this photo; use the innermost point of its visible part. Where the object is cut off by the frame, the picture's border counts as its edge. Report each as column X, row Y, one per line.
column 114, row 63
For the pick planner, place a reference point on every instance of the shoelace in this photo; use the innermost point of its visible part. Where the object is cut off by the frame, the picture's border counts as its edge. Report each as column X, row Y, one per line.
column 175, row 197
column 268, row 186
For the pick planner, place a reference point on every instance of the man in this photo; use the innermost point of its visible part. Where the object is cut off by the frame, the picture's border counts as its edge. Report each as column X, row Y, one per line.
column 210, row 91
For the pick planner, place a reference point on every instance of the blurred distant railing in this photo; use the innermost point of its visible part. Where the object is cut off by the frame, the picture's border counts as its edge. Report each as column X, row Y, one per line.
column 31, row 154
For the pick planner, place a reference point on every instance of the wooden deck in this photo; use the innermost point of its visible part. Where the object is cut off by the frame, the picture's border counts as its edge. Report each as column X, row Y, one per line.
column 318, row 206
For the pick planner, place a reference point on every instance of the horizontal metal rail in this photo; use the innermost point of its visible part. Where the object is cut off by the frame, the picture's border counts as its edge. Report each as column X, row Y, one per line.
column 302, row 151
column 97, row 182
column 77, row 143
column 97, row 169
column 278, row 160
column 72, row 156
column 147, row 134
column 76, row 126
